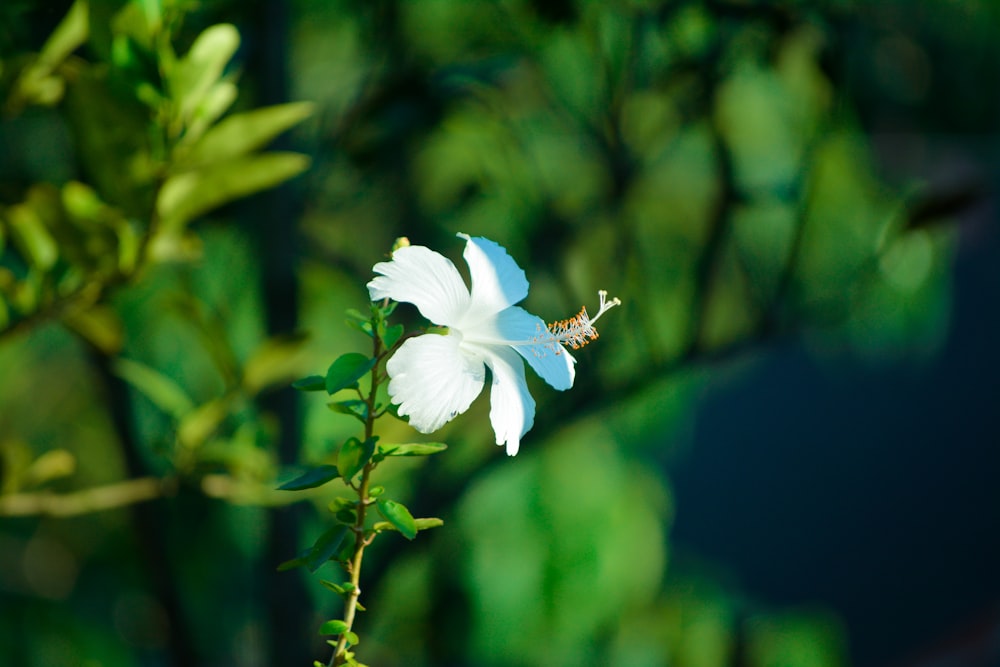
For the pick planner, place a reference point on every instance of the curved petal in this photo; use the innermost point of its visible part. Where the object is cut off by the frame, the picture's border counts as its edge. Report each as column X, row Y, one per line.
column 433, row 381
column 512, row 409
column 528, row 335
column 428, row 280
column 497, row 280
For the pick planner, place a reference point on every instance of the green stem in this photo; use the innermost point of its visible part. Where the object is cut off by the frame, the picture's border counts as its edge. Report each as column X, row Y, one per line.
column 361, row 541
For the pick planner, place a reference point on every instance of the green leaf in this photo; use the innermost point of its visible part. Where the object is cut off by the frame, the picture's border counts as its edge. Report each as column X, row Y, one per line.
column 356, row 320
column 31, row 236
column 311, row 383
column 242, row 133
column 353, row 456
column 400, row 517
column 71, row 33
column 335, row 587
column 311, row 478
column 189, row 194
column 354, row 408
column 198, row 425
column 412, row 449
column 428, row 522
column 291, row 564
column 346, row 371
column 421, row 524
column 325, row 546
column 100, row 326
column 195, row 75
column 352, row 638
column 340, row 503
column 392, row 336
column 335, row 627
column 158, row 388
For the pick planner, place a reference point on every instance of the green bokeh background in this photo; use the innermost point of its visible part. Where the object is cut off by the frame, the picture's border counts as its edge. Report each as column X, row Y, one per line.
column 745, row 176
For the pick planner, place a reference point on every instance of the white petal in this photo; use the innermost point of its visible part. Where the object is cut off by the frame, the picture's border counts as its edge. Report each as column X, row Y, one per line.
column 428, row 280
column 548, row 358
column 432, row 380
column 512, row 409
column 497, row 280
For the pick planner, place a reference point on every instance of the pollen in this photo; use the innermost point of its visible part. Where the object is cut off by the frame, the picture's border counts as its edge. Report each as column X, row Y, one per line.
column 579, row 330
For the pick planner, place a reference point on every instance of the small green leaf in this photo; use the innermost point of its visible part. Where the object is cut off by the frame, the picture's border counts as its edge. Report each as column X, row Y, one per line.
column 392, row 336
column 348, row 517
column 340, row 503
column 352, row 638
column 412, row 449
column 203, row 66
column 241, row 133
column 334, row 627
column 353, row 456
column 353, row 407
column 311, row 383
column 358, row 321
column 311, row 478
column 201, row 423
column 335, row 587
column 421, row 524
column 28, row 231
column 326, row 546
column 400, row 517
column 187, row 195
column 298, row 561
column 71, row 32
column 376, row 491
column 346, row 371
column 387, row 310
column 165, row 394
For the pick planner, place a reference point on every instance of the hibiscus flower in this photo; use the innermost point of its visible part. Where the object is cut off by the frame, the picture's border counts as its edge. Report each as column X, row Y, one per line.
column 434, row 377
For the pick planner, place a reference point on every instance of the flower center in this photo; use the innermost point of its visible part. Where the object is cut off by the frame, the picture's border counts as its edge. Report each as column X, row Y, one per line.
column 579, row 330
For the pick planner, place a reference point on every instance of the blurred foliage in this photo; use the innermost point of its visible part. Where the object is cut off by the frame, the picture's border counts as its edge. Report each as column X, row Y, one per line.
column 709, row 162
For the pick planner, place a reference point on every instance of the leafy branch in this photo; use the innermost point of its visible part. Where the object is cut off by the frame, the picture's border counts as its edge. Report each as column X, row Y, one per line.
column 354, row 529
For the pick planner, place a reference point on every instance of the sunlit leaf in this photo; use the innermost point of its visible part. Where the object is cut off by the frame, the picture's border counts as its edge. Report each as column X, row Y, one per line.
column 31, row 236
column 71, row 33
column 196, row 73
column 399, row 516
column 242, row 133
column 157, row 387
column 100, row 326
column 421, row 524
column 196, row 427
column 333, row 628
column 187, row 195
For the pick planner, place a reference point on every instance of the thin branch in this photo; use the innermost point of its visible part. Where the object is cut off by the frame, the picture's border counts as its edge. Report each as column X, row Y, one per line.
column 94, row 499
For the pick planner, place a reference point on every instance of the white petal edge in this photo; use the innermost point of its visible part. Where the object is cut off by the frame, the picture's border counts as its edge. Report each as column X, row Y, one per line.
column 512, row 409
column 432, row 381
column 548, row 358
column 497, row 280
column 427, row 279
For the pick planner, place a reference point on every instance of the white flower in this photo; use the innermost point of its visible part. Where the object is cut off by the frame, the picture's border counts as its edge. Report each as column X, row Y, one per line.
column 433, row 377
